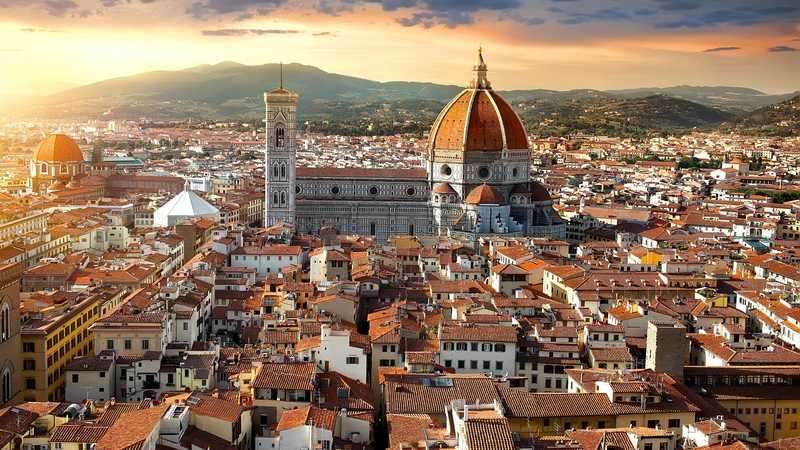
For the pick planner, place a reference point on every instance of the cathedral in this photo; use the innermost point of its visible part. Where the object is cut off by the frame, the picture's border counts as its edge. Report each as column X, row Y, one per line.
column 476, row 179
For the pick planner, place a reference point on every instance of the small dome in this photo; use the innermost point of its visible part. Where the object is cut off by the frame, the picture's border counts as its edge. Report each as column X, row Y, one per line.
column 537, row 191
column 444, row 188
column 484, row 195
column 58, row 148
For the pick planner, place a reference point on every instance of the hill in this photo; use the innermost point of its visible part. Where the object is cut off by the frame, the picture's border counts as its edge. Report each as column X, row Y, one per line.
column 230, row 90
column 607, row 115
column 780, row 119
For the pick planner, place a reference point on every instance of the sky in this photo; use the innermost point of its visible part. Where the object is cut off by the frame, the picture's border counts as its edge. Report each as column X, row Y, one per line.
column 50, row 45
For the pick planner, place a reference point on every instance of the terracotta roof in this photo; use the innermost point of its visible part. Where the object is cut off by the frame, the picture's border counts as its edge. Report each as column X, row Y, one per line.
column 58, row 148
column 488, row 434
column 484, row 195
column 78, row 432
column 525, row 404
column 478, row 120
column 309, row 415
column 355, row 172
column 443, row 188
column 426, row 395
column 478, row 333
column 297, row 376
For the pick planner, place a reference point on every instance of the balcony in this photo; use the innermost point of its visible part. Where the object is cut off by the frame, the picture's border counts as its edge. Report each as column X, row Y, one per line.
column 150, row 384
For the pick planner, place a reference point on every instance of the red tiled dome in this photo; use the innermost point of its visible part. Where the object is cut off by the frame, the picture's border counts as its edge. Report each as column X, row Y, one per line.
column 443, row 188
column 58, row 148
column 478, row 119
column 484, row 195
column 537, row 191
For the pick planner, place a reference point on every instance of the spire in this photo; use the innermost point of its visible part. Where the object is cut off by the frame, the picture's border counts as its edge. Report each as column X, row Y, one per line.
column 479, row 81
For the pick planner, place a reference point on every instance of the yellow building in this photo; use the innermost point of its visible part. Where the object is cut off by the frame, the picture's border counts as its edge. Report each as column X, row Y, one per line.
column 765, row 398
column 54, row 335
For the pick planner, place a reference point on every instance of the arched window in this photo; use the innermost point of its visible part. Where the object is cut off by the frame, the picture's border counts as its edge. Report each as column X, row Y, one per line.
column 43, row 168
column 275, row 198
column 6, row 386
column 283, row 198
column 283, row 170
column 5, row 323
column 64, row 168
column 275, row 170
column 411, row 229
column 279, row 136
column 372, row 229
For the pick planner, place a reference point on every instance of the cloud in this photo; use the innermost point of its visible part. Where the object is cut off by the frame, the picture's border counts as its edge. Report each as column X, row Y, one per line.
column 59, row 8
column 782, row 48
column 324, row 33
column 604, row 15
column 679, row 5
column 227, row 32
column 721, row 49
column 741, row 16
column 205, row 9
column 4, row 50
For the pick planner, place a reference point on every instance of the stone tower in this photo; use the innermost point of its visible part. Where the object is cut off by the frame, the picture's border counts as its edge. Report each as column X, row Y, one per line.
column 667, row 349
column 279, row 204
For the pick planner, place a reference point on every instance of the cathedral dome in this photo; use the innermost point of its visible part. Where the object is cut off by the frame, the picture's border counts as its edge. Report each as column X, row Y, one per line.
column 58, row 148
column 443, row 188
column 478, row 119
column 537, row 191
column 484, row 195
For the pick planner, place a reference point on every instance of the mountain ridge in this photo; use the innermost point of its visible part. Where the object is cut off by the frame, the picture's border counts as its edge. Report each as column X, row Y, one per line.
column 231, row 90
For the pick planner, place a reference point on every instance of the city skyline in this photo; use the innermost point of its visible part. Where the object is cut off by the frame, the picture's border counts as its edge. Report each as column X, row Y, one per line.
column 53, row 45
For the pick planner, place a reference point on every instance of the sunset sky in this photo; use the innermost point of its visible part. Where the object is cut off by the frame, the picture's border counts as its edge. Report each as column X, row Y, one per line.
column 50, row 45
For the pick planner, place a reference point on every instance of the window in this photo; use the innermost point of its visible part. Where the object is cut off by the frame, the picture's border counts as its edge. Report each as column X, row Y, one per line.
column 75, row 377
column 102, row 374
column 110, row 344
column 487, row 365
column 484, row 172
column 372, row 229
column 473, row 364
column 279, row 136
column 28, row 347
column 352, row 360
column 29, row 364
column 30, row 383
column 648, row 446
column 498, row 365
column 128, row 344
column 461, row 346
column 145, row 344
column 460, row 363
column 653, row 423
column 674, row 423
column 499, row 347
column 185, row 326
column 448, row 363
column 6, row 386
column 373, row 190
column 473, row 346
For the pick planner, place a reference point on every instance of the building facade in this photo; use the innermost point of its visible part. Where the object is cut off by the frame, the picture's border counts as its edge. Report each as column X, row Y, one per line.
column 475, row 181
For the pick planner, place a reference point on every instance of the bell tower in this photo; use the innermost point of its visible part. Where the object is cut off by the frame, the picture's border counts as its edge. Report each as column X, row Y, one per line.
column 279, row 204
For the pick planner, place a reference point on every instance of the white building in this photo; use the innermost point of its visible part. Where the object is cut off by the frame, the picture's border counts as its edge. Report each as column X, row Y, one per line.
column 334, row 353
column 266, row 260
column 478, row 349
column 186, row 205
